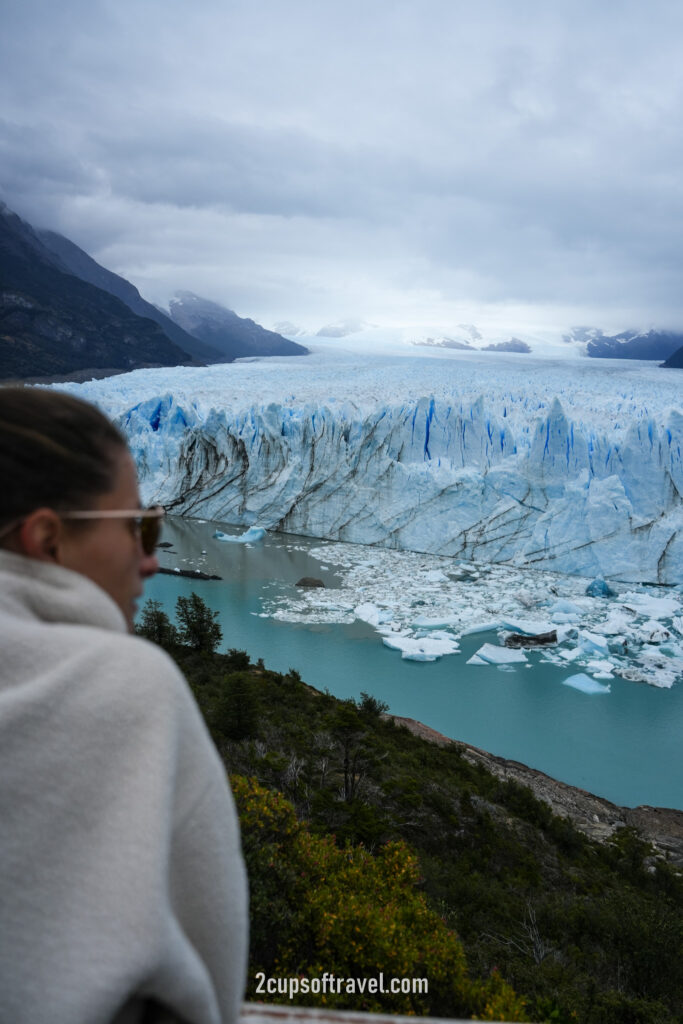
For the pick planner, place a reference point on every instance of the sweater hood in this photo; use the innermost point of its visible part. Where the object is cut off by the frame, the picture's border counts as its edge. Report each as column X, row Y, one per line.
column 33, row 589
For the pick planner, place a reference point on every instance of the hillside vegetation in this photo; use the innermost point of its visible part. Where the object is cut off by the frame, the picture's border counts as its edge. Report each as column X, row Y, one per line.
column 370, row 849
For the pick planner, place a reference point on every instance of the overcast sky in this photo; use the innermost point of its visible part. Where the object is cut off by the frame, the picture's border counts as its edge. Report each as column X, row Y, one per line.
column 405, row 162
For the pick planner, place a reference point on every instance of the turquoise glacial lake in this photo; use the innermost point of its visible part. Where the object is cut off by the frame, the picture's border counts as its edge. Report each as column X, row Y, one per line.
column 624, row 745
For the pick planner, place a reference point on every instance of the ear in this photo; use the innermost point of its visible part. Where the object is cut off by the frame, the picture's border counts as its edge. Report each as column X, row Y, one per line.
column 40, row 535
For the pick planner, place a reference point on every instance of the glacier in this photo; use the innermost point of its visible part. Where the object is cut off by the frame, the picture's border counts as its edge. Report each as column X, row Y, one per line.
column 559, row 465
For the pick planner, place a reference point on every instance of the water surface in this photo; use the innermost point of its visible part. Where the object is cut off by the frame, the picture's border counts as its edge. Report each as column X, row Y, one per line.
column 623, row 745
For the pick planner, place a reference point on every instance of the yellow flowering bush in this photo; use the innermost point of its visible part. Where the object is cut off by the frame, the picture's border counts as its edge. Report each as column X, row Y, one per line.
column 318, row 909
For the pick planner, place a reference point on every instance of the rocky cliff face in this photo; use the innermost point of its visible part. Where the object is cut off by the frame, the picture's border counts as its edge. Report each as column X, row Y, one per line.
column 675, row 361
column 592, row 815
column 234, row 336
column 634, row 344
column 73, row 259
column 53, row 323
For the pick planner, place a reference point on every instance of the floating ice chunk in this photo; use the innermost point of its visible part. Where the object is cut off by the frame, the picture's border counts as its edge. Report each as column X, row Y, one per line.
column 492, row 655
column 598, row 588
column 436, row 576
column 601, row 669
column 250, row 536
column 585, row 684
column 370, row 613
column 425, row 622
column 527, row 627
column 482, row 627
column 442, row 634
column 652, row 632
column 618, row 621
column 562, row 607
column 427, row 649
column 592, row 642
column 653, row 607
column 565, row 618
column 572, row 654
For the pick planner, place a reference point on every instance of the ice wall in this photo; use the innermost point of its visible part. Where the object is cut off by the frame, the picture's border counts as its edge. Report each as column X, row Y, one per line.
column 450, row 477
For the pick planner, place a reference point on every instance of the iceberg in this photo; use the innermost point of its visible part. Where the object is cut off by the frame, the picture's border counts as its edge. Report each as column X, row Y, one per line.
column 374, row 616
column 598, row 588
column 490, row 654
column 250, row 536
column 586, row 684
column 428, row 649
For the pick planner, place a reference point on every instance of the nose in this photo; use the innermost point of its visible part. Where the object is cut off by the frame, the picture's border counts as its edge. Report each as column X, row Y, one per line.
column 148, row 566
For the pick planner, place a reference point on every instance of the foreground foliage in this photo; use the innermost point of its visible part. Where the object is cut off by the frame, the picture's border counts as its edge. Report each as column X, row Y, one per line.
column 317, row 907
column 587, row 932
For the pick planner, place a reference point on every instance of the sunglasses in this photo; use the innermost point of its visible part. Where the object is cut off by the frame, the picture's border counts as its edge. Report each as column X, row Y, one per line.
column 147, row 522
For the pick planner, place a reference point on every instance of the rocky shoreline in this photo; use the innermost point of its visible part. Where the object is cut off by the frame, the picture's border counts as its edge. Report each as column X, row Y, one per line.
column 593, row 815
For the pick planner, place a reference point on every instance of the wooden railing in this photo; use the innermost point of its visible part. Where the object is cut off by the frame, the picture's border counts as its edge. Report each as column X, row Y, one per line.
column 264, row 1013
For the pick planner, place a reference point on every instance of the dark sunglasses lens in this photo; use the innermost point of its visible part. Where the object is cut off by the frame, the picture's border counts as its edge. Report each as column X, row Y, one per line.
column 150, row 531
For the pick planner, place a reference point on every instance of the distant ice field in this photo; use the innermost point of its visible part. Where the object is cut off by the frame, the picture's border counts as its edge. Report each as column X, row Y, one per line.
column 599, row 392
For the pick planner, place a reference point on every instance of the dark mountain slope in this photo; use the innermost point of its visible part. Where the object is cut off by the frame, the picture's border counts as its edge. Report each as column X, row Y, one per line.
column 233, row 335
column 53, row 323
column 675, row 361
column 76, row 261
column 635, row 345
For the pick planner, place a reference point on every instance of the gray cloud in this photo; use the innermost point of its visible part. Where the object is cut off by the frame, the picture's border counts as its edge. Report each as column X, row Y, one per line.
column 398, row 161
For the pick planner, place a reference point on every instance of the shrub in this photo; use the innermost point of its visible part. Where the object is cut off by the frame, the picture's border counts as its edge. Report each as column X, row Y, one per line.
column 317, row 908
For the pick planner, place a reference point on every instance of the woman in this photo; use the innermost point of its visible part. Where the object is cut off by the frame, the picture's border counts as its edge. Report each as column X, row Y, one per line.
column 122, row 885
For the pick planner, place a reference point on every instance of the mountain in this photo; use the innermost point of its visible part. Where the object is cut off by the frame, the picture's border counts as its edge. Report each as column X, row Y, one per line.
column 513, row 345
column 233, row 336
column 675, row 360
column 341, row 329
column 652, row 344
column 444, row 343
column 77, row 262
column 463, row 338
column 53, row 323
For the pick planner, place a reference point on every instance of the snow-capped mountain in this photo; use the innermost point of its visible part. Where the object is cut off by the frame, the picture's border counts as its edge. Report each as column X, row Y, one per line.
column 568, row 466
column 632, row 344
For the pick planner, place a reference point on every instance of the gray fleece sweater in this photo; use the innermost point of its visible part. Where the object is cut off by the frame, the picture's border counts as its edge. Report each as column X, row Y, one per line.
column 122, row 886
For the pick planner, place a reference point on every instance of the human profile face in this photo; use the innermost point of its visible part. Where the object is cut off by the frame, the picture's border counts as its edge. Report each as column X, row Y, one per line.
column 109, row 551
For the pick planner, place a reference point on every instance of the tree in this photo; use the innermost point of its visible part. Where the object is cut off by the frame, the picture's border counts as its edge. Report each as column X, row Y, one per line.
column 348, row 730
column 237, row 710
column 371, row 706
column 156, row 626
column 198, row 626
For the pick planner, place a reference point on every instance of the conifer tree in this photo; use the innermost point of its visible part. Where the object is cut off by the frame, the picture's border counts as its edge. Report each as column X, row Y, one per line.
column 156, row 626
column 198, row 627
